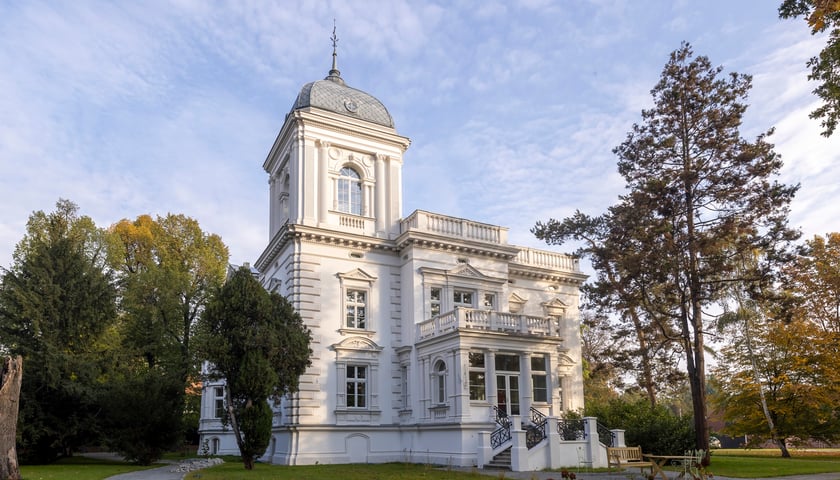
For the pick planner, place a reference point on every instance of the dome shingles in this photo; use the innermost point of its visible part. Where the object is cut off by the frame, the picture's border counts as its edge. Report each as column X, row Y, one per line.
column 333, row 95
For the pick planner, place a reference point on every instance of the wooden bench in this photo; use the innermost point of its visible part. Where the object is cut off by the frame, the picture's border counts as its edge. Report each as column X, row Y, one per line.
column 628, row 457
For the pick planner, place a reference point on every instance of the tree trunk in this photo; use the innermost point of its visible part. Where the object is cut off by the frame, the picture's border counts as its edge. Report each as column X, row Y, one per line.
column 783, row 447
column 11, row 374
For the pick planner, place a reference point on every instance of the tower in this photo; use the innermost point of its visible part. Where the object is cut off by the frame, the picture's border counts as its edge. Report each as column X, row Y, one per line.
column 337, row 162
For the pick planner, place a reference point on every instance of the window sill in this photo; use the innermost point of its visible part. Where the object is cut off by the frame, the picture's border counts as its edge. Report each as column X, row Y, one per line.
column 356, row 331
column 352, row 416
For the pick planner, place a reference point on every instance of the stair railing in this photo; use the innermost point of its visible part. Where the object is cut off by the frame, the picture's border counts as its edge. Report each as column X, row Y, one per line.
column 502, row 433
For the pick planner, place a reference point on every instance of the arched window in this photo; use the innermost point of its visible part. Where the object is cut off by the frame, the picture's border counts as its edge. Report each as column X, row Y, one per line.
column 350, row 191
column 440, row 382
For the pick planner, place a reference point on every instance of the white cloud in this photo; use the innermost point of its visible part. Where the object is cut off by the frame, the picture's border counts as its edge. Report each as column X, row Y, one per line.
column 513, row 108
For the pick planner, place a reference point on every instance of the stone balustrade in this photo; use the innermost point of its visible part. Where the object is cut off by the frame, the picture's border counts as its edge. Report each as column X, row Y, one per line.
column 453, row 227
column 488, row 320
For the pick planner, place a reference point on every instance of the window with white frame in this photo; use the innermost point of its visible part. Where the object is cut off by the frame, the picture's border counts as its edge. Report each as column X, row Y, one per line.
column 219, row 402
column 355, row 307
column 539, row 378
column 358, row 297
column 404, row 387
column 434, row 301
column 462, row 298
column 349, row 191
column 439, row 383
column 357, row 398
column 356, row 383
column 478, row 376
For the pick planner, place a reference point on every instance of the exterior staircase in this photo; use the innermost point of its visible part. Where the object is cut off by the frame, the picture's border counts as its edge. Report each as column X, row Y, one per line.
column 501, row 461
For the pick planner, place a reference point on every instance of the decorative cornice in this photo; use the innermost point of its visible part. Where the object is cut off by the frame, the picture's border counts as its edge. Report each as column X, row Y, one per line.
column 570, row 278
column 319, row 118
column 448, row 244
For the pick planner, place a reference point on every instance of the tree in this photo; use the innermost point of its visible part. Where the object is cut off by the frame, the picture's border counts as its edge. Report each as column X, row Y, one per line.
column 815, row 281
column 258, row 343
column 142, row 414
column 167, row 268
column 11, row 371
column 602, row 379
column 699, row 196
column 792, row 378
column 57, row 304
column 617, row 289
column 822, row 16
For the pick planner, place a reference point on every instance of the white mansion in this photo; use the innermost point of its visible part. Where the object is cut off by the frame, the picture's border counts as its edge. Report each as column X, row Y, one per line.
column 434, row 340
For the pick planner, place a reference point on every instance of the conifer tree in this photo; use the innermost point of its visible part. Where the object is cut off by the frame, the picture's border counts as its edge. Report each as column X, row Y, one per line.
column 258, row 343
column 699, row 197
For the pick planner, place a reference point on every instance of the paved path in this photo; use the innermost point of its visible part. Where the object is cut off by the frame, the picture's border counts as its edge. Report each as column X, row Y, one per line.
column 171, row 471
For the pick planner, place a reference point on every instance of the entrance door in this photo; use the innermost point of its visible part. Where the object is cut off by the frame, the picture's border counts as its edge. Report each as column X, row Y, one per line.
column 507, row 393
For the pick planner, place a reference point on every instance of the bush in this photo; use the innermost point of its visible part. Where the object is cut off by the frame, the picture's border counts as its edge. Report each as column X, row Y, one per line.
column 656, row 430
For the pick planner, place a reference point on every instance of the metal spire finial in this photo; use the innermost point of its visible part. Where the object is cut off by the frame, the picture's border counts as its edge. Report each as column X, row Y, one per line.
column 334, row 39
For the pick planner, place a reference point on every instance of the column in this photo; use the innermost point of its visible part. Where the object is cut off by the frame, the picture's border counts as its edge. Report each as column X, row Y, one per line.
column 526, row 391
column 460, row 358
column 295, row 181
column 323, row 181
column 273, row 206
column 379, row 194
column 490, row 372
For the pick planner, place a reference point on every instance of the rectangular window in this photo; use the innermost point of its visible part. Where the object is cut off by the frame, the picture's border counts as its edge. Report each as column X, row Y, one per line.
column 219, row 402
column 477, row 376
column 355, row 304
column 356, row 382
column 404, row 387
column 539, row 379
column 462, row 298
column 507, row 363
column 489, row 301
column 434, row 302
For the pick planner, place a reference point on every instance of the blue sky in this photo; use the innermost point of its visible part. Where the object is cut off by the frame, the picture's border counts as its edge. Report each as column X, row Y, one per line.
column 513, row 108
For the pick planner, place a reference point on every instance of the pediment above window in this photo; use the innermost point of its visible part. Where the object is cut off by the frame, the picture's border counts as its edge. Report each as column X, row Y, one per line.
column 516, row 302
column 565, row 364
column 554, row 307
column 356, row 348
column 358, row 275
column 467, row 270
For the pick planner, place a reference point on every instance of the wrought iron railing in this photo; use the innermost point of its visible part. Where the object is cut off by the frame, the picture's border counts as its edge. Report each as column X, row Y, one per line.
column 605, row 435
column 537, row 416
column 499, row 437
column 536, row 431
column 502, row 418
column 501, row 434
column 571, row 429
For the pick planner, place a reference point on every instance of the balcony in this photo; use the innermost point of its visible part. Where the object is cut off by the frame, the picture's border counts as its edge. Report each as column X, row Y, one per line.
column 452, row 227
column 486, row 320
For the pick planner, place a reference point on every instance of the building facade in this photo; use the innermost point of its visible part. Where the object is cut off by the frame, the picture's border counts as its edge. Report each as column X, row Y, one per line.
column 430, row 333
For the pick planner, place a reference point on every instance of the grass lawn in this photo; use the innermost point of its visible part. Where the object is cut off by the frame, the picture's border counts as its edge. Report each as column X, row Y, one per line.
column 78, row 468
column 769, row 463
column 387, row 471
column 727, row 463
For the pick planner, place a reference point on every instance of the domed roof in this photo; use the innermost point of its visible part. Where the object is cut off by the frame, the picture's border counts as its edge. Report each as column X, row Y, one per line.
column 334, row 95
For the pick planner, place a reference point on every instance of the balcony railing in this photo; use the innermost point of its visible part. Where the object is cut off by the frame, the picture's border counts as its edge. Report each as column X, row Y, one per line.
column 546, row 259
column 488, row 320
column 453, row 227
